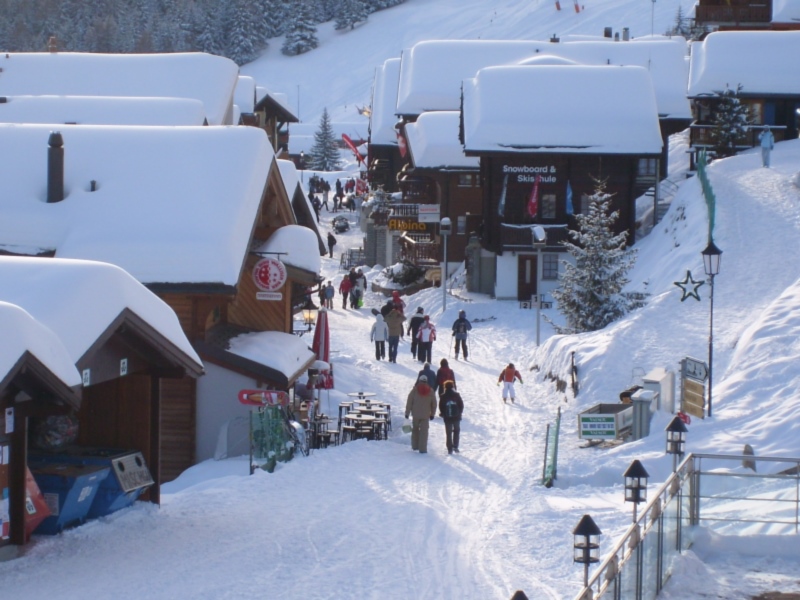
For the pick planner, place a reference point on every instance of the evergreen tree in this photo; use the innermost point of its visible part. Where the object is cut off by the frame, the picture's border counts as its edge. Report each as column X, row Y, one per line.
column 244, row 36
column 325, row 151
column 590, row 295
column 349, row 13
column 731, row 120
column 302, row 34
column 681, row 26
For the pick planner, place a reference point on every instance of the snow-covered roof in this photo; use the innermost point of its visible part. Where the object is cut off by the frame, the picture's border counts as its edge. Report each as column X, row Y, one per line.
column 758, row 60
column 210, row 79
column 291, row 181
column 78, row 300
column 283, row 352
column 431, row 72
column 22, row 333
column 172, row 204
column 384, row 101
column 102, row 110
column 597, row 110
column 433, row 142
column 244, row 96
column 785, row 11
column 279, row 99
column 298, row 245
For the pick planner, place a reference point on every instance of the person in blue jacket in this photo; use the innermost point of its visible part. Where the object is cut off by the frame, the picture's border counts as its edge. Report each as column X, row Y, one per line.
column 461, row 329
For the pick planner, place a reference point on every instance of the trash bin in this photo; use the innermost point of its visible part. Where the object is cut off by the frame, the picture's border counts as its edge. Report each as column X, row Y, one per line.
column 128, row 475
column 69, row 491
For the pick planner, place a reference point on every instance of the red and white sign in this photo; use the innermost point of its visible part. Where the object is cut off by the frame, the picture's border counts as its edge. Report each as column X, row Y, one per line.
column 269, row 274
column 263, row 398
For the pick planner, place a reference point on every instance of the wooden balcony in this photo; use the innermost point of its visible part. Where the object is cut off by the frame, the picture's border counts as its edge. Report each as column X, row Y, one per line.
column 419, row 251
column 519, row 238
column 405, row 211
column 757, row 12
column 700, row 136
column 418, row 190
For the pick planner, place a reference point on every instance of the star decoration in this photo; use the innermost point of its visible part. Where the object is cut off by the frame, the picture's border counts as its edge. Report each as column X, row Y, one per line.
column 689, row 287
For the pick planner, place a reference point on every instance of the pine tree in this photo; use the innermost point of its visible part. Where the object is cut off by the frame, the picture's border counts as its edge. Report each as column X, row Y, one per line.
column 682, row 26
column 731, row 120
column 324, row 152
column 302, row 34
column 244, row 36
column 349, row 13
column 590, row 295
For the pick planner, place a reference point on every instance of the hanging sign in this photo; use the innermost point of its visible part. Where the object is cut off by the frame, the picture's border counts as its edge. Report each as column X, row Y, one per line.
column 264, row 398
column 269, row 274
column 428, row 213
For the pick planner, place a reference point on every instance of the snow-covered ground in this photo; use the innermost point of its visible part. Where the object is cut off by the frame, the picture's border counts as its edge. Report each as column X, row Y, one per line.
column 376, row 520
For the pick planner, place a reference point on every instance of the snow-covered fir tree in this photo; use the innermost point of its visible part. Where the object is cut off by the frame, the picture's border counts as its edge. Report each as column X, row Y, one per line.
column 244, row 34
column 590, row 295
column 302, row 34
column 349, row 13
column 731, row 120
column 325, row 151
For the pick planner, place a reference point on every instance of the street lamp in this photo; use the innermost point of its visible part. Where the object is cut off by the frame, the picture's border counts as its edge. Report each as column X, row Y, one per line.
column 712, row 256
column 539, row 241
column 302, row 167
column 636, row 485
column 585, row 547
column 676, row 440
column 309, row 317
column 445, row 226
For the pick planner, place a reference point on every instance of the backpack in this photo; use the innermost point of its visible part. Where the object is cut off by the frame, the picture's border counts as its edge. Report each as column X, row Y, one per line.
column 450, row 409
column 461, row 327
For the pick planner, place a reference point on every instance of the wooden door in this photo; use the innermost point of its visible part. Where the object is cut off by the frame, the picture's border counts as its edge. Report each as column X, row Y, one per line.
column 526, row 276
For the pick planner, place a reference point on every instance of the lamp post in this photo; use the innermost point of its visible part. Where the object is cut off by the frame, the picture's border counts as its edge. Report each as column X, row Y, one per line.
column 636, row 485
column 445, row 226
column 539, row 241
column 302, row 167
column 585, row 547
column 309, row 317
column 712, row 256
column 676, row 440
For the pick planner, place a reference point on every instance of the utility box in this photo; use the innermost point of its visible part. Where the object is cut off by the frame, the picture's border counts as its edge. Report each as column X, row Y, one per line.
column 605, row 422
column 645, row 404
column 69, row 491
column 662, row 382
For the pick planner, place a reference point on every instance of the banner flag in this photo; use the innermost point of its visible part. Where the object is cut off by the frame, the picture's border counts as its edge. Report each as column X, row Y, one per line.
column 570, row 208
column 349, row 143
column 533, row 201
column 501, row 206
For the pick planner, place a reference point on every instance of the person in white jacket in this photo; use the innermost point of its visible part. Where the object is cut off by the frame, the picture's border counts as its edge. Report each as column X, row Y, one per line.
column 379, row 335
column 425, row 338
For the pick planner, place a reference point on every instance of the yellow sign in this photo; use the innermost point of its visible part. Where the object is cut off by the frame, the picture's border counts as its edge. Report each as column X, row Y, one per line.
column 406, row 225
column 694, row 402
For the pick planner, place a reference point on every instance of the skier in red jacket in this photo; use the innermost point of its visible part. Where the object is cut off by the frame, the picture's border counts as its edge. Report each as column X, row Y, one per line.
column 507, row 376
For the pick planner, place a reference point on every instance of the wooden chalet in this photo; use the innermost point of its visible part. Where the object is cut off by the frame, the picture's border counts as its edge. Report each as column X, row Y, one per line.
column 542, row 153
column 273, row 116
column 770, row 85
column 385, row 155
column 733, row 15
column 122, row 343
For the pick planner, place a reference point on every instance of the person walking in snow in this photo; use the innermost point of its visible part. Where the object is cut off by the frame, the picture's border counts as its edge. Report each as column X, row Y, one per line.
column 461, row 328
column 443, row 375
column 451, row 407
column 344, row 290
column 421, row 406
column 767, row 141
column 507, row 376
column 398, row 302
column 426, row 336
column 326, row 190
column 413, row 328
column 429, row 374
column 329, row 294
column 379, row 334
column 331, row 243
column 394, row 321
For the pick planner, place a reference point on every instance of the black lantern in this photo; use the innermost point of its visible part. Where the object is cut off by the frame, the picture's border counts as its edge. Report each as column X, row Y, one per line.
column 309, row 317
column 712, row 256
column 676, row 439
column 302, row 166
column 636, row 485
column 586, row 549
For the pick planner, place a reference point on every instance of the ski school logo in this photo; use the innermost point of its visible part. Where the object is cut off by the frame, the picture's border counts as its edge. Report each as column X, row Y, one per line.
column 269, row 274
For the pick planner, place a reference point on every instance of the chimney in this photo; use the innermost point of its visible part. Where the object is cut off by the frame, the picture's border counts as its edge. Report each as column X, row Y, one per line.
column 616, row 36
column 607, row 32
column 55, row 168
column 626, row 34
column 554, row 39
column 52, row 44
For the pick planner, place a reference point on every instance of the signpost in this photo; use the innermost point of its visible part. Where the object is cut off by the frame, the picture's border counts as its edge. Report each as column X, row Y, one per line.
column 694, row 374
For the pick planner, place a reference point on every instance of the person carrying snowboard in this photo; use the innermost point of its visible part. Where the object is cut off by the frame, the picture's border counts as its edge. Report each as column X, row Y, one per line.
column 461, row 327
column 451, row 406
column 507, row 376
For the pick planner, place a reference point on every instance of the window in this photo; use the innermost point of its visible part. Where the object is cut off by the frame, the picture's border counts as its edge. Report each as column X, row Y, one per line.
column 550, row 266
column 648, row 167
column 548, row 207
column 461, row 225
column 468, row 180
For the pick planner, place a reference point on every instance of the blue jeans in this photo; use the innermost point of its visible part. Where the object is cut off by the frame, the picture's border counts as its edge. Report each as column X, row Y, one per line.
column 394, row 341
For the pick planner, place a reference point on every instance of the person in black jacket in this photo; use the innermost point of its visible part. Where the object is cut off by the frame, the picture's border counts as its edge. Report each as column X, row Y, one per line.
column 331, row 243
column 413, row 327
column 451, row 407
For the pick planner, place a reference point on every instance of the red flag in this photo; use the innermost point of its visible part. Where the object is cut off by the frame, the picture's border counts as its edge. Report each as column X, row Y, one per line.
column 401, row 144
column 349, row 143
column 533, row 201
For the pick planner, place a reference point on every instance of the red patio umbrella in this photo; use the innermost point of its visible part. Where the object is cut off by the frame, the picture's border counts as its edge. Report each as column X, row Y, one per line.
column 321, row 346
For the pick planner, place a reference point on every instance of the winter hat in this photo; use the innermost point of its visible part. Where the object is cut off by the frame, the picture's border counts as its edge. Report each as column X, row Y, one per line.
column 420, row 309
column 462, row 314
column 510, row 365
column 443, row 362
column 422, row 379
column 426, row 365
column 448, row 385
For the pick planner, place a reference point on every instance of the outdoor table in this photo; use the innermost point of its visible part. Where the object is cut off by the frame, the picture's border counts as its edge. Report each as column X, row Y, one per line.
column 362, row 394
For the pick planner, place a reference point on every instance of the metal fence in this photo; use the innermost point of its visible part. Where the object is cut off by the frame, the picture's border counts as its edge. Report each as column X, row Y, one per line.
column 733, row 495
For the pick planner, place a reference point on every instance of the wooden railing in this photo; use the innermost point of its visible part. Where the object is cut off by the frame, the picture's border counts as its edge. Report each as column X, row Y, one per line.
column 514, row 237
column 419, row 252
column 700, row 135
